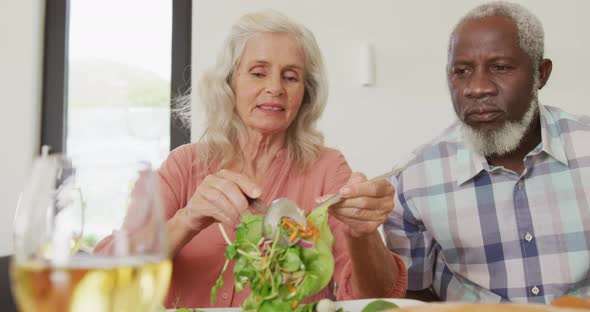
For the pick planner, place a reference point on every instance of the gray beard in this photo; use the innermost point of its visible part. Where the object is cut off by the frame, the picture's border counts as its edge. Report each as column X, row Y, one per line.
column 509, row 137
column 501, row 141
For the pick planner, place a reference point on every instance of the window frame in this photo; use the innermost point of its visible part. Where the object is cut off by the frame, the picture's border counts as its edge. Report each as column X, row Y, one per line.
column 54, row 106
column 180, row 80
column 55, row 76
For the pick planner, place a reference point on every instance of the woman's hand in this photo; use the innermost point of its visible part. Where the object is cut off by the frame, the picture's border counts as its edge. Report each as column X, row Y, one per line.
column 219, row 198
column 365, row 204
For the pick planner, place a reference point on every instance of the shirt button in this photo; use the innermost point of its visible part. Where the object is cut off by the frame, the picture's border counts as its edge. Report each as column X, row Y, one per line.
column 520, row 184
column 528, row 237
column 225, row 296
column 535, row 290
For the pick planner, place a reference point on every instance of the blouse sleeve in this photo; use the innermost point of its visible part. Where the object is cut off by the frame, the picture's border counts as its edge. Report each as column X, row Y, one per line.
column 173, row 179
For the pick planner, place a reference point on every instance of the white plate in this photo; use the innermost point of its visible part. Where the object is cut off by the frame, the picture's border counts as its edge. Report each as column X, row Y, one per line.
column 358, row 305
column 348, row 305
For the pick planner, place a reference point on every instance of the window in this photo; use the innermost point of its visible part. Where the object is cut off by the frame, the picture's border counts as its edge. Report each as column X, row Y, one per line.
column 111, row 69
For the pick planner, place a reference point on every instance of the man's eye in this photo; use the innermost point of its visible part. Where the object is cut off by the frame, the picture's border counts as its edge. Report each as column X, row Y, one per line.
column 460, row 71
column 501, row 67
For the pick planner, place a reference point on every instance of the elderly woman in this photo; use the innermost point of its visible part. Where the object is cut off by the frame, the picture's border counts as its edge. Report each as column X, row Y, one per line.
column 263, row 99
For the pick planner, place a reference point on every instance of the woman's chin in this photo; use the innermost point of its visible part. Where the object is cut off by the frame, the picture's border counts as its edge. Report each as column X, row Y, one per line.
column 269, row 129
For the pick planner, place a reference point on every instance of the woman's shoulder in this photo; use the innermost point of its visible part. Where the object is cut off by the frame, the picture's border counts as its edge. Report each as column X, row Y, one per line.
column 189, row 152
column 328, row 154
column 184, row 157
column 330, row 159
column 331, row 168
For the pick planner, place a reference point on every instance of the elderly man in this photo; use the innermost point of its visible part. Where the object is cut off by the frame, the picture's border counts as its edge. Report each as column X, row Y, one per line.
column 497, row 207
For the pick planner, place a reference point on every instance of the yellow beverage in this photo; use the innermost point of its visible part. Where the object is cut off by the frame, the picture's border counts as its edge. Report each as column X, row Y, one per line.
column 75, row 244
column 92, row 285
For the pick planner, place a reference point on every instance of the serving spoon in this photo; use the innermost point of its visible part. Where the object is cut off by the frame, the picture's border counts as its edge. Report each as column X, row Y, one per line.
column 284, row 207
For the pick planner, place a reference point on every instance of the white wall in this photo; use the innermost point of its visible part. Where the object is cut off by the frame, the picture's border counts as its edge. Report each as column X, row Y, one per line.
column 377, row 126
column 373, row 126
column 21, row 42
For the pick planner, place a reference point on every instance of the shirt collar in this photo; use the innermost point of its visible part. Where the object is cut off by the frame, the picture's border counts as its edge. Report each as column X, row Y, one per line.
column 471, row 164
column 551, row 141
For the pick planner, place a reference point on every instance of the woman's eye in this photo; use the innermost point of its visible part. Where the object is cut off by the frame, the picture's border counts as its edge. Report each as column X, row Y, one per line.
column 257, row 74
column 292, row 78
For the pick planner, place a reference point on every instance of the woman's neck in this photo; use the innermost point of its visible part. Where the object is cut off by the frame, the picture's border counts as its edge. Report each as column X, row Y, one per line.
column 259, row 151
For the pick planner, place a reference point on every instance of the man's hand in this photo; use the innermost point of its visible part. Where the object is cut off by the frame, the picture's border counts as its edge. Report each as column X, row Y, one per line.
column 365, row 205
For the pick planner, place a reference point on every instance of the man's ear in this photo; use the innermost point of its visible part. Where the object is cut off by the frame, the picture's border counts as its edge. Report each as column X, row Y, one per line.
column 544, row 71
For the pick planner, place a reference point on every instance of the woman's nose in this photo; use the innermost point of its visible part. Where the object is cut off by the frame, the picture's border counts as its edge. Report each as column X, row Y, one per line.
column 274, row 85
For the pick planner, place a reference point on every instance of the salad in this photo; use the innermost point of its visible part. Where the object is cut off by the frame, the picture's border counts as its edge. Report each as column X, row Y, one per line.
column 280, row 276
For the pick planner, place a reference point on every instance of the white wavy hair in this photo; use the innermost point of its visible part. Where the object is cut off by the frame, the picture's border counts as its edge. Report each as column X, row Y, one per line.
column 531, row 36
column 303, row 140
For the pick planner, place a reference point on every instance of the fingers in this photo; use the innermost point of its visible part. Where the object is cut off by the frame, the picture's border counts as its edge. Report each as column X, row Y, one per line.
column 216, row 204
column 232, row 186
column 321, row 199
column 358, row 186
column 365, row 205
column 360, row 214
column 359, row 227
column 243, row 182
column 221, row 196
column 229, row 190
column 356, row 177
column 376, row 188
column 364, row 209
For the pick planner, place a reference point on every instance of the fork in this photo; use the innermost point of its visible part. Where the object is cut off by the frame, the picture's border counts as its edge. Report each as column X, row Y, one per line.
column 337, row 197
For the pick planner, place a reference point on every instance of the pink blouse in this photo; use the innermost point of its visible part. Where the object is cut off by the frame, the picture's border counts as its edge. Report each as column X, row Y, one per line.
column 198, row 264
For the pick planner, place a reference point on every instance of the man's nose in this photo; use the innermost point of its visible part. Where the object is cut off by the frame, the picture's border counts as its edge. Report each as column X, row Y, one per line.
column 480, row 85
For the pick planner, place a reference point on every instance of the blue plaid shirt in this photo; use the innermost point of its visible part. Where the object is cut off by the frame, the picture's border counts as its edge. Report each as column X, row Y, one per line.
column 476, row 232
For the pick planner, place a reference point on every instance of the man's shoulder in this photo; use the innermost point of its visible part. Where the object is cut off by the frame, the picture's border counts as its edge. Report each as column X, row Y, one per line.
column 572, row 131
column 567, row 122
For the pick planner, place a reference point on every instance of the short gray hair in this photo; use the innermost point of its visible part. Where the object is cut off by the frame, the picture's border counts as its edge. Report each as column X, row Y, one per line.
column 531, row 36
column 217, row 97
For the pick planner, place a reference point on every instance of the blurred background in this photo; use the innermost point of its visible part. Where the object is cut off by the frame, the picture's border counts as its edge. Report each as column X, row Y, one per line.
column 95, row 78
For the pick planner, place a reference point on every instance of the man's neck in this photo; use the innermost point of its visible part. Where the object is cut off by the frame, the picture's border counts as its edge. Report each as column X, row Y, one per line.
column 515, row 159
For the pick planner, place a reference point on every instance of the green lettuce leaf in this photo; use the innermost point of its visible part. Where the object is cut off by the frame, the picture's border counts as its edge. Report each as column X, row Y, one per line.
column 379, row 305
column 318, row 261
column 251, row 268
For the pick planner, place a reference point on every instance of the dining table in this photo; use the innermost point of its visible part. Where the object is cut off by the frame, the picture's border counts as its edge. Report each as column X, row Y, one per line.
column 346, row 305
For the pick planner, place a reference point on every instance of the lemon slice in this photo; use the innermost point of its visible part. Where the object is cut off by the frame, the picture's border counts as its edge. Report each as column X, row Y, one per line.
column 92, row 293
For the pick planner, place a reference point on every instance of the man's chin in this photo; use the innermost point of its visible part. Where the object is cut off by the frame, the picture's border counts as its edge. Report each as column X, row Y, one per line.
column 485, row 127
column 490, row 141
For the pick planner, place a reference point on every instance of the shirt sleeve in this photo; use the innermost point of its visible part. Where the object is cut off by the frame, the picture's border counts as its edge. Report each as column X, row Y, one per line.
column 337, row 175
column 406, row 235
